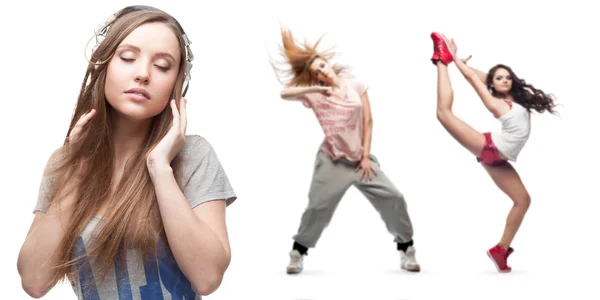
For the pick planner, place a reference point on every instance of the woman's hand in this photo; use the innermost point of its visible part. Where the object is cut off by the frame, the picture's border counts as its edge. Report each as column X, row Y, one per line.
column 366, row 169
column 83, row 120
column 326, row 90
column 451, row 46
column 465, row 60
column 173, row 141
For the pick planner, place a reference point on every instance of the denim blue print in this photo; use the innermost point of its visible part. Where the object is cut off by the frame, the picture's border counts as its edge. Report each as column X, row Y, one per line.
column 89, row 292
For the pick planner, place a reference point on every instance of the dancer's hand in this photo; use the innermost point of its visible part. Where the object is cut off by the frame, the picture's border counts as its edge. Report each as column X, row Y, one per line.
column 366, row 169
column 465, row 60
column 76, row 131
column 173, row 141
column 453, row 49
column 75, row 135
column 326, row 90
column 451, row 46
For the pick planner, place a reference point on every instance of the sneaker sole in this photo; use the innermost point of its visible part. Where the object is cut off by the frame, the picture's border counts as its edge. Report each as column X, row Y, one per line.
column 411, row 269
column 417, row 269
column 293, row 270
column 496, row 265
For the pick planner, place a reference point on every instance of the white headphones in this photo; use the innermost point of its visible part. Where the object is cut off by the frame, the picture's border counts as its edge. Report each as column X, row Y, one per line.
column 102, row 29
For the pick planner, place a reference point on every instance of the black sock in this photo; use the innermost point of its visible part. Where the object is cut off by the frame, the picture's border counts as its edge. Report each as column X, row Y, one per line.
column 404, row 246
column 303, row 250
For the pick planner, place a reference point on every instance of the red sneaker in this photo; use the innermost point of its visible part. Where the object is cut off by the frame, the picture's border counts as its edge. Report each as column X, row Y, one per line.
column 441, row 51
column 498, row 255
column 509, row 252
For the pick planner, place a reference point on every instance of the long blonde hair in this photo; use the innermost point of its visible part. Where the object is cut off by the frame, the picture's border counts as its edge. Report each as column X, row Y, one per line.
column 132, row 220
column 298, row 57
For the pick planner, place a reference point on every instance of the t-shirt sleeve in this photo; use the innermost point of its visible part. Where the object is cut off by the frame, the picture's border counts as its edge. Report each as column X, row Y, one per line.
column 204, row 176
column 46, row 187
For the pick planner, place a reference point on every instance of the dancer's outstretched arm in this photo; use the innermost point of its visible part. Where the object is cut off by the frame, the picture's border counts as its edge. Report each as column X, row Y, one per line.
column 497, row 108
column 480, row 74
column 292, row 93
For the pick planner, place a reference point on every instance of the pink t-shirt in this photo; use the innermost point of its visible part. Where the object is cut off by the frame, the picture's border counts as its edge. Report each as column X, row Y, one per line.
column 341, row 120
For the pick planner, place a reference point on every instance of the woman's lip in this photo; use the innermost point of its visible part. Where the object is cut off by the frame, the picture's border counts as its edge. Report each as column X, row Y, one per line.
column 136, row 97
column 140, row 91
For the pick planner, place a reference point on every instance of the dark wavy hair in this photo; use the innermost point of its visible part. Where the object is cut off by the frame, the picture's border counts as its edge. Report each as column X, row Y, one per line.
column 523, row 93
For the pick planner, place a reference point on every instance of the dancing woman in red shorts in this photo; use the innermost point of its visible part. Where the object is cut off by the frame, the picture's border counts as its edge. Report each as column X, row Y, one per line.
column 510, row 100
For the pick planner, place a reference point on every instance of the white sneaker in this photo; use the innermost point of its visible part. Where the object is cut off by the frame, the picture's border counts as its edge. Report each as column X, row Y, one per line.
column 296, row 262
column 408, row 260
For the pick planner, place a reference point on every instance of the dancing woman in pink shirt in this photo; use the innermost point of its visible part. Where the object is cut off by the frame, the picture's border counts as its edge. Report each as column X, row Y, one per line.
column 510, row 100
column 344, row 158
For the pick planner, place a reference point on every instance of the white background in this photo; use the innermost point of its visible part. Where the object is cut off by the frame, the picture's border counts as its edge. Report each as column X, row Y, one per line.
column 268, row 146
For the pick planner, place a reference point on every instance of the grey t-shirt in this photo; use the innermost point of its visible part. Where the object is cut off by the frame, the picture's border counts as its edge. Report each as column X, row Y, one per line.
column 202, row 179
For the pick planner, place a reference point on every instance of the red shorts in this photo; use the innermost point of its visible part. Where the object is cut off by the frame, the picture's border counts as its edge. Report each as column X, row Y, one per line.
column 489, row 153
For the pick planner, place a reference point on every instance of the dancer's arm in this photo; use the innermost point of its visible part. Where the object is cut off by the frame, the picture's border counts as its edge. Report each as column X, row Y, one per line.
column 291, row 93
column 197, row 236
column 36, row 257
column 367, row 126
column 481, row 75
column 492, row 104
column 365, row 166
column 36, row 260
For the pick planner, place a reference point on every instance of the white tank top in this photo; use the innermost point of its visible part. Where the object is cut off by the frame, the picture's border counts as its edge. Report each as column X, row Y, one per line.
column 516, row 128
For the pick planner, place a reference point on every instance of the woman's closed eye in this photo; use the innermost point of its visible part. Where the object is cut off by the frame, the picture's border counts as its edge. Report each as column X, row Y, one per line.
column 162, row 68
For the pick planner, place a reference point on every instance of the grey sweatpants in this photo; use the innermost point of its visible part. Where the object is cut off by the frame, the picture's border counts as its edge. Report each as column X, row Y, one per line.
column 331, row 180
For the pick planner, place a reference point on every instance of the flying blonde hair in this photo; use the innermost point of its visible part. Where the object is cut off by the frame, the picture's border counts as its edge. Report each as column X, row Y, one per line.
column 298, row 59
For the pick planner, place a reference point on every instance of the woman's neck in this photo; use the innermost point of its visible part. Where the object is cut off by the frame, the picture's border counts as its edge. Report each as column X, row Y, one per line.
column 504, row 96
column 128, row 136
column 337, row 82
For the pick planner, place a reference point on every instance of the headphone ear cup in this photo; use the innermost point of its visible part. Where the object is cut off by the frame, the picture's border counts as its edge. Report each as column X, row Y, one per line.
column 185, row 88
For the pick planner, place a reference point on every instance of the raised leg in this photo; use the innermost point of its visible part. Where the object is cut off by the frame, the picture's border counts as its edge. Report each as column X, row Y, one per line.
column 462, row 132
